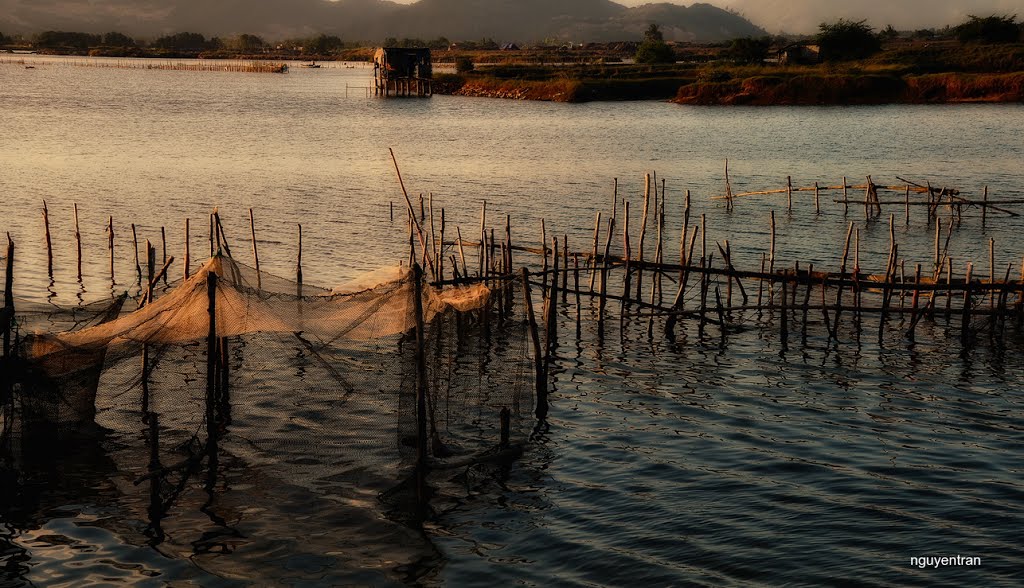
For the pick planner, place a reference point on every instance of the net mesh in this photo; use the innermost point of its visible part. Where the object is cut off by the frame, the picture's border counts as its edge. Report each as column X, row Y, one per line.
column 316, row 385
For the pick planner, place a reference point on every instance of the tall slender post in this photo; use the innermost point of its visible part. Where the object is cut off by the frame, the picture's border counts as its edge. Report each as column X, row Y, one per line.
column 965, row 321
column 643, row 234
column 991, row 272
column 538, row 356
column 789, row 191
column 78, row 243
column 421, row 381
column 211, row 376
column 984, row 207
column 298, row 263
column 110, row 245
column 255, row 251
column 483, row 237
column 593, row 257
column 187, row 259
column 49, row 242
column 8, row 311
column 817, row 205
column 135, row 243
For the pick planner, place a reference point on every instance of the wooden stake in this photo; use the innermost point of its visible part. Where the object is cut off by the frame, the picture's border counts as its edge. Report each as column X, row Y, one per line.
column 255, row 251
column 965, row 322
column 483, row 236
column 8, row 312
column 846, row 206
column 984, row 207
column 187, row 259
column 789, row 191
column 643, row 234
column 906, row 213
column 913, row 305
column 817, row 205
column 135, row 243
column 991, row 271
column 593, row 257
column 298, row 261
column 78, row 243
column 110, row 246
column 49, row 242
column 538, row 357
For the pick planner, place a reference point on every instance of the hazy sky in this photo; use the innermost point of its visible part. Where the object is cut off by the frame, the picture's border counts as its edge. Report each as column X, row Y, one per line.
column 803, row 16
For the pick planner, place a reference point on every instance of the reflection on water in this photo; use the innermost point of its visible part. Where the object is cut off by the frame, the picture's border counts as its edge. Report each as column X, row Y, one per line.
column 714, row 459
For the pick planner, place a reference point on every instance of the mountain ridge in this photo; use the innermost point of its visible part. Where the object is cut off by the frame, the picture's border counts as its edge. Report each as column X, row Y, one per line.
column 374, row 20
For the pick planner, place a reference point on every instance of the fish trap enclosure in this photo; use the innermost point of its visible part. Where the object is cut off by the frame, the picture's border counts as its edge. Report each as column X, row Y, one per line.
column 383, row 379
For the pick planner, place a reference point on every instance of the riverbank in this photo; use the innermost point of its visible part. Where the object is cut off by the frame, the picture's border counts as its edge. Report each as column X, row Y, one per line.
column 840, row 89
column 761, row 90
column 939, row 72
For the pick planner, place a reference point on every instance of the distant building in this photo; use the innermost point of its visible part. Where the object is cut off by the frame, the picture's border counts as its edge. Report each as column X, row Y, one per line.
column 799, row 53
column 510, row 47
column 404, row 71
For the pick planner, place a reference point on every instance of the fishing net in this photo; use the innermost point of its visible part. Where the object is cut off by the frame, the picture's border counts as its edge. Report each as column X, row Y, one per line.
column 315, row 385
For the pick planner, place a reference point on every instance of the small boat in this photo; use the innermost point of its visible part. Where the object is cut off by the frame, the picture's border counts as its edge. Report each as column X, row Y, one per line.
column 312, row 64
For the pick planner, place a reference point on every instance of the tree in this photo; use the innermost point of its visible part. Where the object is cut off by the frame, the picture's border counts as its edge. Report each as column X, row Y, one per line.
column 182, row 42
column 990, row 29
column 247, row 43
column 654, row 49
column 4, row 40
column 749, row 50
column 62, row 39
column 323, row 44
column 846, row 40
column 115, row 39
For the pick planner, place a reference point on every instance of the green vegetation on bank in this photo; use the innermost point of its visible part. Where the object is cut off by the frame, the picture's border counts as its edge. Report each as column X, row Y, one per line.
column 846, row 62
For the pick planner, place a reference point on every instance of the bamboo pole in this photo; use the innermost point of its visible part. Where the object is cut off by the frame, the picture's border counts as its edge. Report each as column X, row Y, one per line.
column 8, row 313
column 462, row 252
column 186, row 259
column 817, row 204
column 49, row 242
column 643, row 235
column 984, row 207
column 135, row 243
column 110, row 246
column 540, row 374
column 842, row 275
column 771, row 257
column 565, row 267
column 846, row 207
column 965, row 321
column 440, row 249
column 255, row 251
column 789, row 191
column 991, row 271
column 78, row 243
column 626, row 253
column 906, row 204
column 298, row 261
column 421, row 382
column 917, row 294
column 483, row 236
column 593, row 257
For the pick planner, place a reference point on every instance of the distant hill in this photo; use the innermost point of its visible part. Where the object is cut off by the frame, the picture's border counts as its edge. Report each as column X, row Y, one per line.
column 373, row 20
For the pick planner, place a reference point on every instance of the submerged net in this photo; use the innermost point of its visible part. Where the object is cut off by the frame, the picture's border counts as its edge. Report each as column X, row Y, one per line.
column 316, row 385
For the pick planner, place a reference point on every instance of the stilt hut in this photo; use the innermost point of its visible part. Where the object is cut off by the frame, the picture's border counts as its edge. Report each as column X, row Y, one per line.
column 402, row 71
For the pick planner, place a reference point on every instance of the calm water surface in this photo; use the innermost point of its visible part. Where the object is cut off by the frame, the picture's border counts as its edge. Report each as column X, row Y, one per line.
column 707, row 461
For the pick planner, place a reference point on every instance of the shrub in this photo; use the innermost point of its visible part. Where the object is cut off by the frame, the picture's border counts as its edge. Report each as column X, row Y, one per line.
column 845, row 40
column 463, row 64
column 990, row 29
